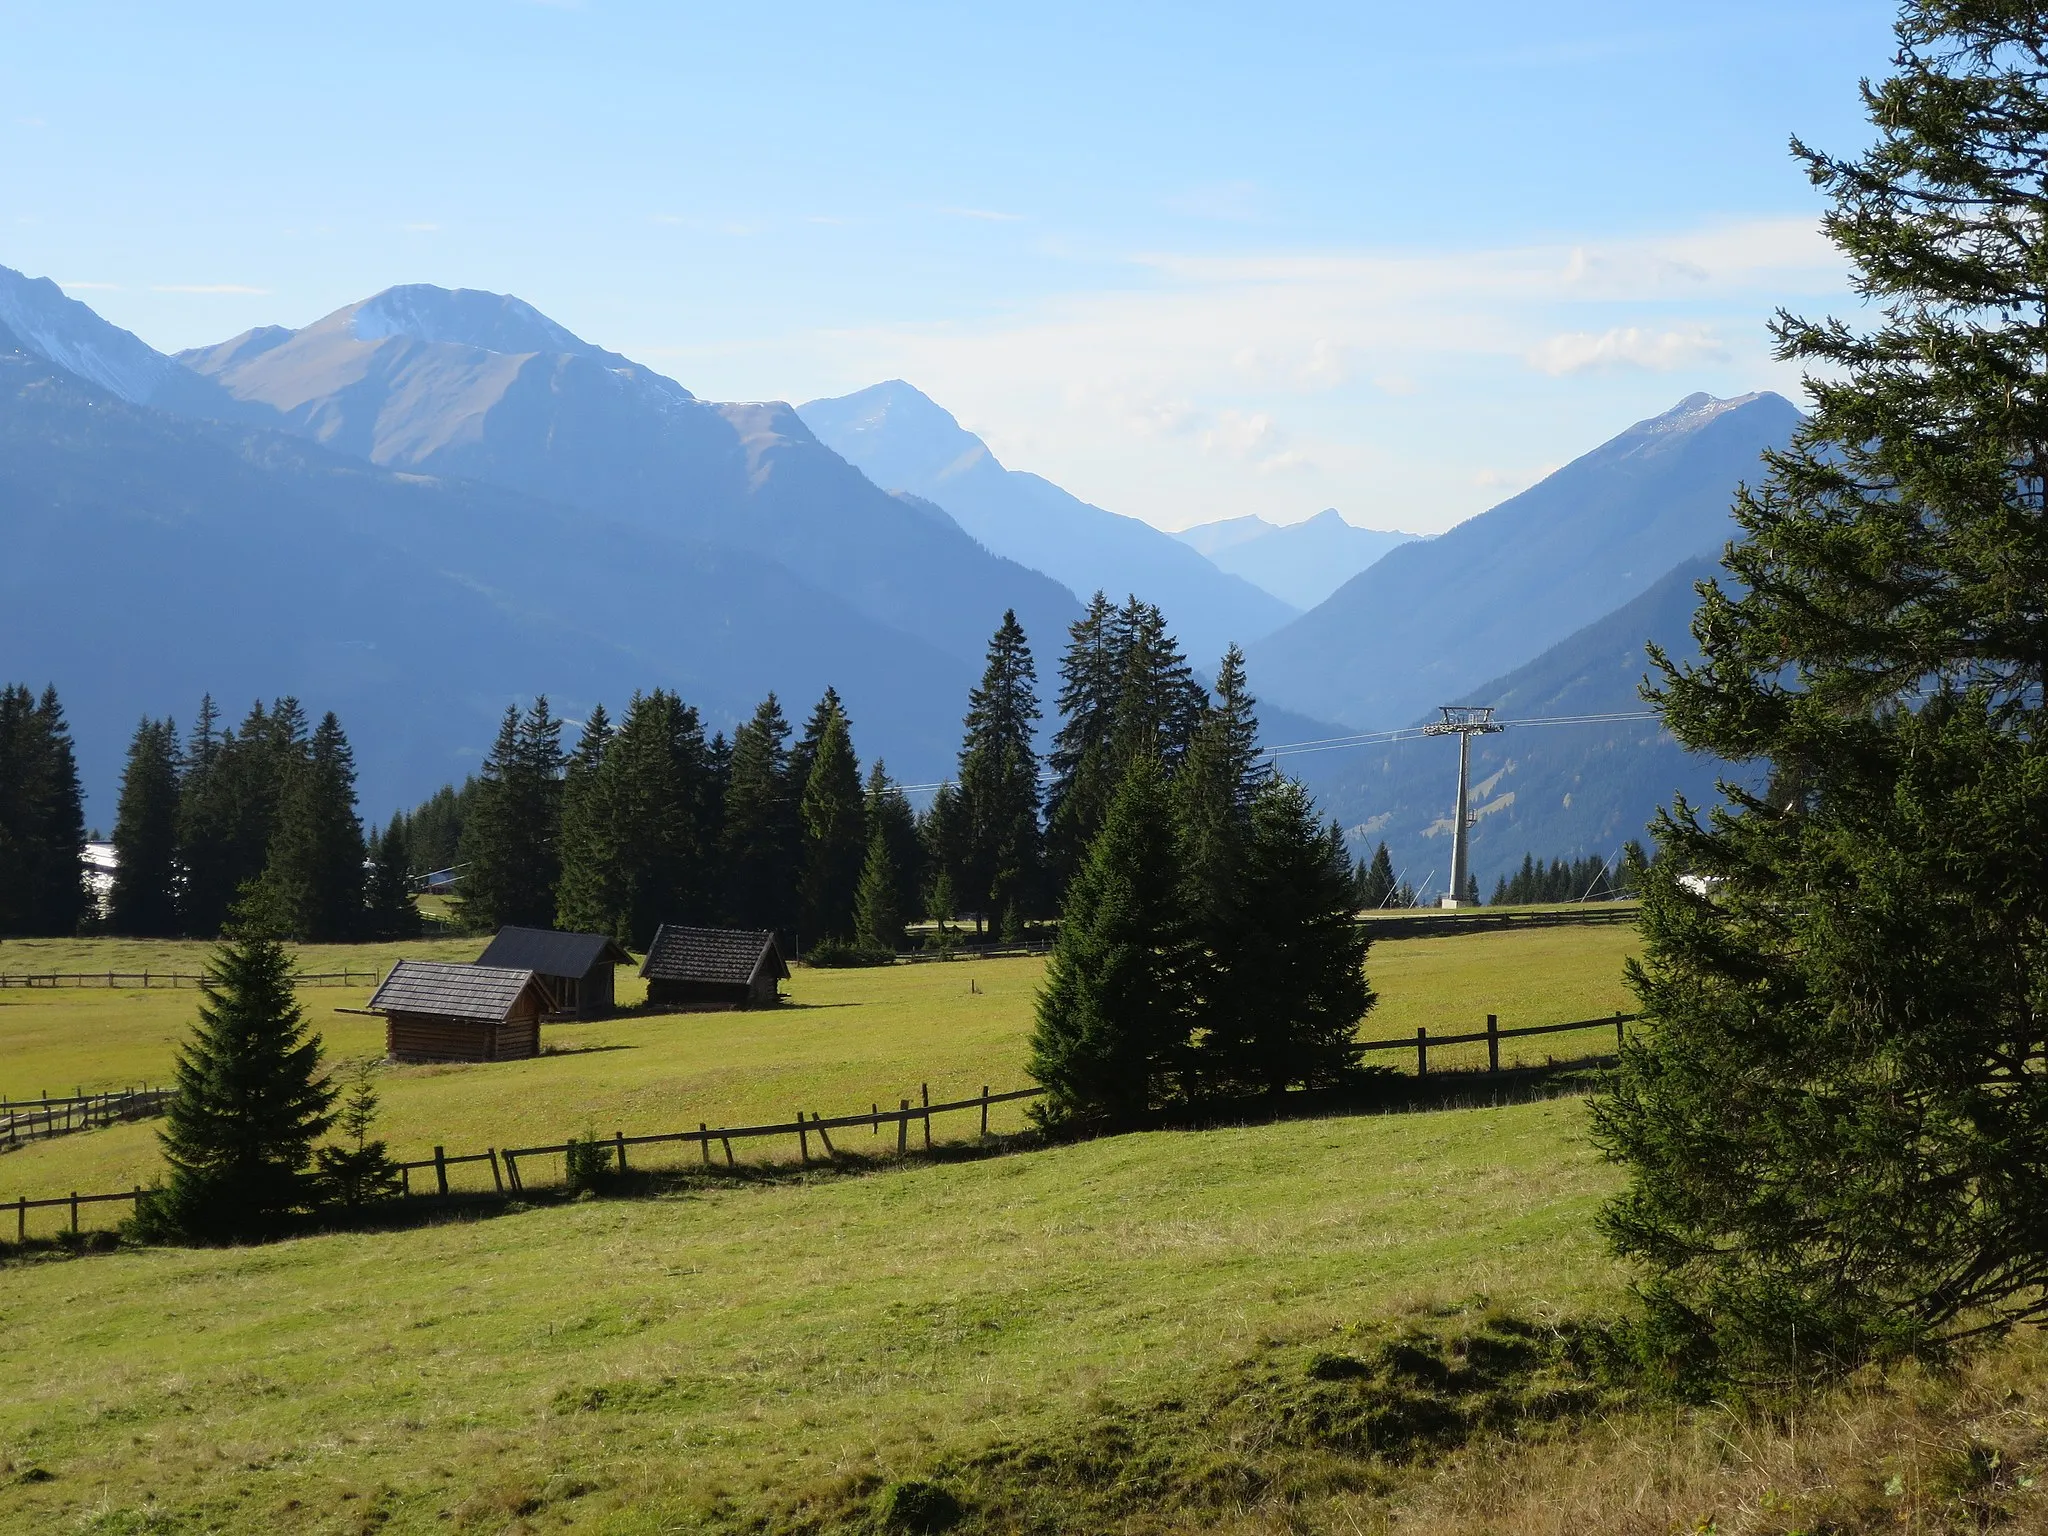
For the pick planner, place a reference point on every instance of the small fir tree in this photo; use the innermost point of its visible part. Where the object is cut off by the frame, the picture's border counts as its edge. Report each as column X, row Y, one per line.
column 1115, row 1014
column 1377, row 884
column 247, row 1105
column 358, row 1173
column 835, row 832
column 878, row 920
column 392, row 911
column 889, row 809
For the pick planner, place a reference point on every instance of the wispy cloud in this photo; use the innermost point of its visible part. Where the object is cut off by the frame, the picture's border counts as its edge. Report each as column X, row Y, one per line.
column 1628, row 346
column 988, row 214
column 90, row 287
column 209, row 288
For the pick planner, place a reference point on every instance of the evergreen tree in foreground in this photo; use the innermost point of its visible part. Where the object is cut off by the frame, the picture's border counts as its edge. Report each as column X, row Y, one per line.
column 1835, row 1143
column 144, row 899
column 877, row 915
column 247, row 1106
column 1290, row 988
column 1115, row 1014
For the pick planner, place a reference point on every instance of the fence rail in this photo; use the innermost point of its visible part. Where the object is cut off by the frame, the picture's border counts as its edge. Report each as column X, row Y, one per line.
column 1428, row 925
column 1493, row 1034
column 32, row 1119
column 138, row 980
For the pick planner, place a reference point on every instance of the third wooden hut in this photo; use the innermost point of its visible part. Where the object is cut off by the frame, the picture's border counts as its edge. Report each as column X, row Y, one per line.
column 705, row 969
column 576, row 968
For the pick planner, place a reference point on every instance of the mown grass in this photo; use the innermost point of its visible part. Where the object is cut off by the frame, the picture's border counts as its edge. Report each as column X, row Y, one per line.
column 850, row 1038
column 727, row 1353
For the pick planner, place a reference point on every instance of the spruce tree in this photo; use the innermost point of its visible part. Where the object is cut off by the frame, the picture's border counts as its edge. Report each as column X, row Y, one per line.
column 591, row 893
column 834, row 832
column 758, row 841
column 433, row 830
column 391, row 912
column 42, row 818
column 877, row 914
column 206, row 826
column 248, row 1102
column 312, row 886
column 999, row 780
column 1114, row 1018
column 510, row 836
column 1378, row 885
column 1834, row 1137
column 144, row 899
column 942, row 831
column 888, row 809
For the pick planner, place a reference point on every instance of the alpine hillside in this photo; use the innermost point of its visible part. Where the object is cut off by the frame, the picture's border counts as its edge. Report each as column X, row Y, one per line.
column 1433, row 619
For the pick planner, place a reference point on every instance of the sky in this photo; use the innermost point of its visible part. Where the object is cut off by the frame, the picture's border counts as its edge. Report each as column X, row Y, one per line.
column 1190, row 261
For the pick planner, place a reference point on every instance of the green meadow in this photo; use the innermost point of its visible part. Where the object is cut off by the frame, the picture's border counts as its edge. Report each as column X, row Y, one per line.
column 756, row 1353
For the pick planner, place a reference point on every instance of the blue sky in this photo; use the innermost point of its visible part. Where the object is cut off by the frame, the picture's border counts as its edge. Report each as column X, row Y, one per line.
column 1190, row 261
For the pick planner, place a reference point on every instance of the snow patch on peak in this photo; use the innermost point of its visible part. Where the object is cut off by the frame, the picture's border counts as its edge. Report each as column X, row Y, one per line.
column 1696, row 410
column 496, row 322
column 63, row 331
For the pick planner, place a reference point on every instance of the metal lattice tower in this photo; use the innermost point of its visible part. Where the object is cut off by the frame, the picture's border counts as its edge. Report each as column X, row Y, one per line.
column 1463, row 721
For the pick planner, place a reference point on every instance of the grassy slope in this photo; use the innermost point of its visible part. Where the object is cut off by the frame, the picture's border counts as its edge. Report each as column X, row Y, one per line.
column 853, row 1038
column 761, row 1340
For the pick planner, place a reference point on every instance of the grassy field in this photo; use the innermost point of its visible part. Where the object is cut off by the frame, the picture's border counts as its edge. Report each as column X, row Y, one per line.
column 848, row 1040
column 710, row 1357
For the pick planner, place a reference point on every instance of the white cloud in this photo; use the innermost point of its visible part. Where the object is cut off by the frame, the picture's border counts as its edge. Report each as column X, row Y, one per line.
column 90, row 287
column 1628, row 346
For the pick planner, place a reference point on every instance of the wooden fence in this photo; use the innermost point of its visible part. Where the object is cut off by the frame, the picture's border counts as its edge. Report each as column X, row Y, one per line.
column 1410, row 924
column 135, row 980
column 28, row 1119
column 1493, row 1034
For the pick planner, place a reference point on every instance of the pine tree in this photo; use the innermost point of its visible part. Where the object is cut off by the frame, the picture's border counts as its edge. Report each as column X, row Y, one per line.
column 391, row 911
column 1114, row 1018
column 999, row 779
column 510, row 836
column 1125, row 691
column 835, row 831
column 312, row 886
column 889, row 809
column 1833, row 1134
column 1295, row 957
column 433, row 830
column 591, row 894
column 247, row 1105
column 1377, row 885
column 144, row 899
column 877, row 916
column 42, row 819
column 942, row 832
column 758, row 841
column 206, row 826
column 360, row 1174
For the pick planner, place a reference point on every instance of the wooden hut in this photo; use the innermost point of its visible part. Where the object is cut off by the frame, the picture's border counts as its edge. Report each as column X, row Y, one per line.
column 705, row 969
column 435, row 1011
column 576, row 968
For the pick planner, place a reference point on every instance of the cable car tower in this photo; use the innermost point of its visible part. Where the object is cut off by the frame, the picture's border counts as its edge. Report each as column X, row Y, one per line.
column 1463, row 721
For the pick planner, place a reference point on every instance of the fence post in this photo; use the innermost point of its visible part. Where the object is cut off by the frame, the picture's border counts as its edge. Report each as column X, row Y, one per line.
column 924, row 1097
column 984, row 1110
column 903, row 1128
column 620, row 1138
column 830, row 1150
column 512, row 1172
column 1617, row 1032
column 1421, row 1053
column 1492, row 1043
column 874, row 1119
column 803, row 1140
column 21, row 1220
column 704, row 1141
column 497, row 1179
column 441, row 1169
column 404, row 1181
column 74, row 1213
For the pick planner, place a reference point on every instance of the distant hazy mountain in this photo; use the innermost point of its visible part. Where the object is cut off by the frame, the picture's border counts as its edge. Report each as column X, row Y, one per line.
column 486, row 387
column 1560, row 791
column 150, row 558
column 1300, row 563
column 904, row 441
column 1433, row 618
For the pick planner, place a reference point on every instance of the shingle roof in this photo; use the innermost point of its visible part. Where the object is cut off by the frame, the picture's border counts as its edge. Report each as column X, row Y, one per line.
column 485, row 993
column 728, row 956
column 551, row 953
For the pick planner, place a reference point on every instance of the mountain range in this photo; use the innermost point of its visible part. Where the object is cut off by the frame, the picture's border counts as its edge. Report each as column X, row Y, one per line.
column 905, row 441
column 434, row 503
column 1300, row 563
column 1432, row 619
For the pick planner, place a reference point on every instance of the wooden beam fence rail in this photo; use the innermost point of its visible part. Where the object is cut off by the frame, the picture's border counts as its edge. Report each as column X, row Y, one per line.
column 1492, row 1035
column 61, row 1116
column 142, row 980
column 74, row 1200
